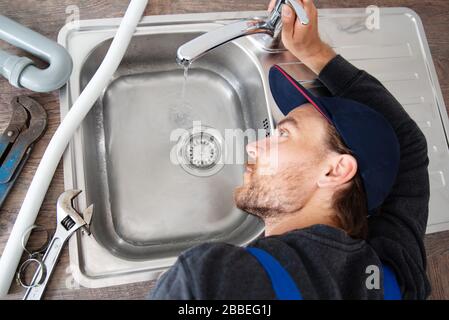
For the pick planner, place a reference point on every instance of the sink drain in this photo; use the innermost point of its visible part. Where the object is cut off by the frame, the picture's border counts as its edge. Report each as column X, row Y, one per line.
column 200, row 152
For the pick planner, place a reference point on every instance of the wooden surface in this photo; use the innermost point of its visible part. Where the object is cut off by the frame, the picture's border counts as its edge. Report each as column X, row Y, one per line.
column 48, row 16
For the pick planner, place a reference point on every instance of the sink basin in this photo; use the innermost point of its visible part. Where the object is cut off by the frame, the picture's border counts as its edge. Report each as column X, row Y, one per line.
column 147, row 207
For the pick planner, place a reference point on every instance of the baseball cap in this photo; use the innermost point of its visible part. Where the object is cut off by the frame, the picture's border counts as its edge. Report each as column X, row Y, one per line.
column 365, row 132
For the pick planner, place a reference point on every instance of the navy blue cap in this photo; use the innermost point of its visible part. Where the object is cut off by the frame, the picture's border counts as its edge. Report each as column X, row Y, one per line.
column 364, row 131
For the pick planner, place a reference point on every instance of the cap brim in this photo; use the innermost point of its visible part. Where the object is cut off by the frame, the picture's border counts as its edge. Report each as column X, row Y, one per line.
column 290, row 94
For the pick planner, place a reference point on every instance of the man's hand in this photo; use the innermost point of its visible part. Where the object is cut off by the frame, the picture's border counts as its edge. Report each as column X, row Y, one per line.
column 304, row 41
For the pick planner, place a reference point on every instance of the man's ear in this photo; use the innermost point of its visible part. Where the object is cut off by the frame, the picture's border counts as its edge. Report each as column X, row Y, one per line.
column 341, row 169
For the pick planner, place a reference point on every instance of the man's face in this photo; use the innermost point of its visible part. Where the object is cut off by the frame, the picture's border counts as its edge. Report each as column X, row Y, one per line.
column 275, row 186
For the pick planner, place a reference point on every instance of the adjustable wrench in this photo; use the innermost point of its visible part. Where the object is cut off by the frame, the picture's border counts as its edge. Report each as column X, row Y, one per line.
column 68, row 221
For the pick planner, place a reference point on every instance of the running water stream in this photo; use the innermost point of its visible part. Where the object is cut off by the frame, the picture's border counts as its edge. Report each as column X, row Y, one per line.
column 184, row 85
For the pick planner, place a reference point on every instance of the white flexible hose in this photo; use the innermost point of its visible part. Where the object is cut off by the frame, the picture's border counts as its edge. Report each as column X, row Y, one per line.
column 46, row 169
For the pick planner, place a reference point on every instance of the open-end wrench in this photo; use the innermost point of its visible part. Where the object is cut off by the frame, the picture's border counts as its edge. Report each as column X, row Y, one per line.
column 27, row 124
column 68, row 221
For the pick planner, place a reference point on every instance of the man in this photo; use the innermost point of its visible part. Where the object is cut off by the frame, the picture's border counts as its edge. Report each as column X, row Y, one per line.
column 347, row 200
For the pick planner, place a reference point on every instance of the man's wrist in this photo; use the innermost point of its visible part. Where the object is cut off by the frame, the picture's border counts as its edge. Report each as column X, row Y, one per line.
column 317, row 58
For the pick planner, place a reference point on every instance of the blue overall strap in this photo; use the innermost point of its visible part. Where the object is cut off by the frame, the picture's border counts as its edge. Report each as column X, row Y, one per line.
column 285, row 288
column 283, row 284
column 391, row 285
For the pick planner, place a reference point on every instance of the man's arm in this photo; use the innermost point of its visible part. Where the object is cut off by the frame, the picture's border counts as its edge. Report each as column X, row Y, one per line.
column 397, row 230
column 174, row 284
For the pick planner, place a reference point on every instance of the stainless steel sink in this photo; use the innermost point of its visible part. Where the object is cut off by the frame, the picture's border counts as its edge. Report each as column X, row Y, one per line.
column 147, row 209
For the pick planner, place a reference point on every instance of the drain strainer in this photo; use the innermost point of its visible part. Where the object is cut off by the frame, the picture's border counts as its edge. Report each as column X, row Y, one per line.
column 200, row 151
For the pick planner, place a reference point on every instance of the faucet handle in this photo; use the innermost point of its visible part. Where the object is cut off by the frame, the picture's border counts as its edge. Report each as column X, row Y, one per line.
column 300, row 12
column 274, row 20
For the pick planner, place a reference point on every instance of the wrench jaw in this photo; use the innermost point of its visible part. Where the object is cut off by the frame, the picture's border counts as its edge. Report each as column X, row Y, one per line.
column 87, row 215
column 68, row 217
column 38, row 116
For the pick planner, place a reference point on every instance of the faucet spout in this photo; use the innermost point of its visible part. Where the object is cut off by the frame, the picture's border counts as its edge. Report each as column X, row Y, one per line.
column 195, row 48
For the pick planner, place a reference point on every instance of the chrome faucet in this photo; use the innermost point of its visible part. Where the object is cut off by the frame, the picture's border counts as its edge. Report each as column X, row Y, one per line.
column 195, row 48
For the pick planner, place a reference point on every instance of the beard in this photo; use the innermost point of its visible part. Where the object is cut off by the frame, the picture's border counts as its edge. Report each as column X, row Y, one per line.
column 271, row 196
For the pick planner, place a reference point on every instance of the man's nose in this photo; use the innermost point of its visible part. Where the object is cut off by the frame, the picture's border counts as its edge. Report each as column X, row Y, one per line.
column 251, row 150
column 254, row 148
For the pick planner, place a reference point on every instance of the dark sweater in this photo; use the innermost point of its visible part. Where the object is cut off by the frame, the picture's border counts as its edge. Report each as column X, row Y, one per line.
column 325, row 262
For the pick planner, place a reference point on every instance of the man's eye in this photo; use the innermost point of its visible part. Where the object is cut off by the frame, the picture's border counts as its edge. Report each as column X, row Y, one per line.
column 282, row 133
